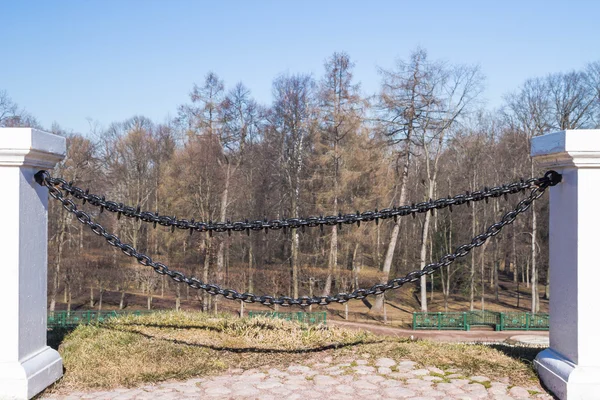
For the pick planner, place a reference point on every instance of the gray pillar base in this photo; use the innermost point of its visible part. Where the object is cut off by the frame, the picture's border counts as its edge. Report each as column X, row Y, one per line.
column 565, row 379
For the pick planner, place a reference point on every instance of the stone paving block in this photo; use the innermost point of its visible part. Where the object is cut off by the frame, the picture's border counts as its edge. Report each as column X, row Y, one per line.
column 502, row 397
column 281, row 391
column 385, row 362
column 325, row 380
column 401, row 375
column 298, row 368
column 346, row 389
column 519, row 392
column 418, row 381
column 384, row 370
column 432, row 378
column 369, row 394
column 375, row 378
column 399, row 392
column 346, row 378
column 456, row 392
column 363, row 370
column 217, row 391
column 363, row 384
column 421, row 372
column 391, row 383
column 459, row 382
column 271, row 384
column 497, row 391
column 436, row 370
column 434, row 393
column 407, row 364
column 477, row 378
column 275, row 372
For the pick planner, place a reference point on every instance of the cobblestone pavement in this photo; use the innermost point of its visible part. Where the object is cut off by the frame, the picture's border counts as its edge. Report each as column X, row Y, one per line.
column 354, row 377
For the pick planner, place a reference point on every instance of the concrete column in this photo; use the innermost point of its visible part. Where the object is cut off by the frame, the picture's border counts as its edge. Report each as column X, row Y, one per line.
column 27, row 364
column 570, row 368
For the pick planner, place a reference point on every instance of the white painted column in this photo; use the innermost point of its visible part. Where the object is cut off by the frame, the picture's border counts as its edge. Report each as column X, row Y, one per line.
column 27, row 364
column 570, row 368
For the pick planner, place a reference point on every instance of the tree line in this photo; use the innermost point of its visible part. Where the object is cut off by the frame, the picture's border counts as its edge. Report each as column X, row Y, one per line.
column 321, row 147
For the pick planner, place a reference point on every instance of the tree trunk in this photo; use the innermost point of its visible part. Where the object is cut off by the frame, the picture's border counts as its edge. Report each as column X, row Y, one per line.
column 432, row 280
column 332, row 261
column 294, row 261
column 514, row 253
column 177, row 297
column 100, row 296
column 295, row 241
column 223, row 216
column 483, row 248
column 311, row 289
column 250, row 269
column 389, row 255
column 91, row 296
column 122, row 300
column 423, row 257
column 472, row 277
column 207, row 246
column 69, row 297
column 384, row 309
column 59, row 253
column 526, row 278
column 355, row 268
column 535, row 299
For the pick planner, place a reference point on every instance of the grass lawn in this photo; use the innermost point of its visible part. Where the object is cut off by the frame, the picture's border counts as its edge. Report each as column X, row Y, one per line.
column 128, row 351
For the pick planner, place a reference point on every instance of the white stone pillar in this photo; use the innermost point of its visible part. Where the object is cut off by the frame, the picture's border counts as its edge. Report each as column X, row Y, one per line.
column 570, row 368
column 27, row 364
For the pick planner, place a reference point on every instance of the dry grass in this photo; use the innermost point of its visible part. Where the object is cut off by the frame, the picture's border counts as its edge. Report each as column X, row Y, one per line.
column 132, row 350
column 495, row 362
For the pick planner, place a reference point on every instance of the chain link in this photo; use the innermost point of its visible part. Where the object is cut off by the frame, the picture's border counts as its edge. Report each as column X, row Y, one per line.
column 290, row 223
column 539, row 185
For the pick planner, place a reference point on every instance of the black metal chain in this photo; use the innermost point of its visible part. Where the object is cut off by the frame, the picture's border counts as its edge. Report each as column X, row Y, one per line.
column 289, row 223
column 540, row 185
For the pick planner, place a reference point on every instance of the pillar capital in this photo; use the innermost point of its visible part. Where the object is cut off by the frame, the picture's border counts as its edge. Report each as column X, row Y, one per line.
column 572, row 148
column 30, row 147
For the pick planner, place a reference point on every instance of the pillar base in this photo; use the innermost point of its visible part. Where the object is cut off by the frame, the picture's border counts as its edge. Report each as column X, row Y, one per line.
column 567, row 380
column 24, row 379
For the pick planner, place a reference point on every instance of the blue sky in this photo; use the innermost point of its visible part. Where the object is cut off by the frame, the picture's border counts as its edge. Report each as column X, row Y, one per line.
column 67, row 61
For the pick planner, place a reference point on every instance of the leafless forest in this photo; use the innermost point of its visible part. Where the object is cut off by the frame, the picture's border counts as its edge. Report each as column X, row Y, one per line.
column 322, row 147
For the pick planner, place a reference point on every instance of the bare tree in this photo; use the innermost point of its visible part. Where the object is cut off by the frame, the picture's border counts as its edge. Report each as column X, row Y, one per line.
column 293, row 119
column 531, row 113
column 341, row 109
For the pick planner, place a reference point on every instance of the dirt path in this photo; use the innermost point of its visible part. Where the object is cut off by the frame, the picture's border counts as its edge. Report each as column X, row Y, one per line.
column 440, row 336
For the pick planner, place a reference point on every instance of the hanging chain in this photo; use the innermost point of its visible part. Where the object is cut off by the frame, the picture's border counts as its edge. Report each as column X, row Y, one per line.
column 539, row 186
column 289, row 223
